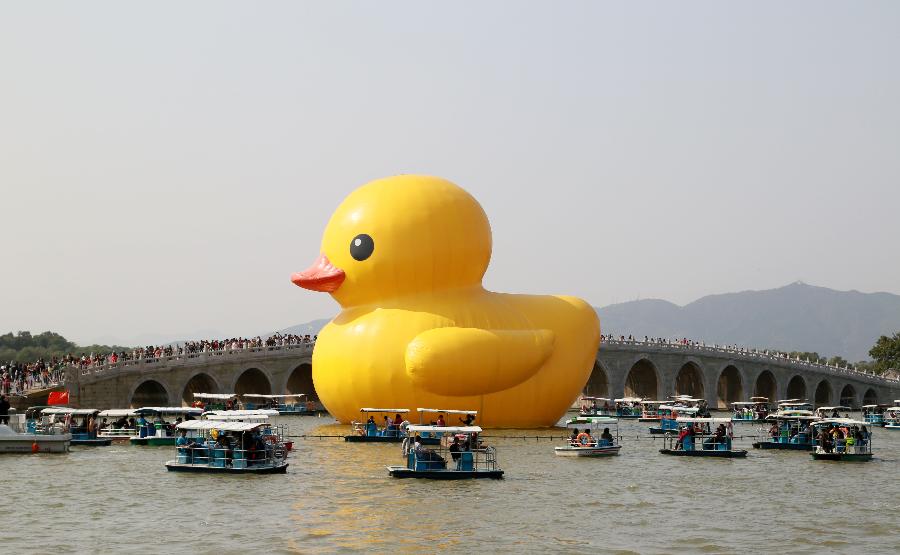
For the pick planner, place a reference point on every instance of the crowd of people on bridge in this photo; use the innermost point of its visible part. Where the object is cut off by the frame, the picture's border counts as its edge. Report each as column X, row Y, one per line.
column 17, row 378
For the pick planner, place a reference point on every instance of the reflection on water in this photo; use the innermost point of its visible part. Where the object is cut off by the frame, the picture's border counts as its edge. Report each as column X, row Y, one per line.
column 338, row 497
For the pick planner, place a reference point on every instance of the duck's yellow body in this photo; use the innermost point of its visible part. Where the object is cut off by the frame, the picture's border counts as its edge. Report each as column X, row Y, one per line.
column 404, row 256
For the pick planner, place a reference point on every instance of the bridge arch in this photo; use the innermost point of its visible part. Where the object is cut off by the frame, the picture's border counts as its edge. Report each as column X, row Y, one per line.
column 300, row 381
column 871, row 397
column 729, row 387
column 200, row 382
column 848, row 397
column 689, row 380
column 642, row 380
column 766, row 386
column 823, row 394
column 796, row 388
column 149, row 393
column 598, row 383
column 253, row 380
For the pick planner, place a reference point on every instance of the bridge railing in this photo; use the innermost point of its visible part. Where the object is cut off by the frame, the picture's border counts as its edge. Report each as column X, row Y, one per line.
column 752, row 355
column 187, row 359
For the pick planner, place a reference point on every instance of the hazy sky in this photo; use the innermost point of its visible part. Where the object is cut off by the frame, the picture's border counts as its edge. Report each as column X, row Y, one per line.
column 165, row 167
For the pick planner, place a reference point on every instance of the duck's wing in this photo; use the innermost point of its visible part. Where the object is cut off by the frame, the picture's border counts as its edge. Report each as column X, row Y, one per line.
column 470, row 361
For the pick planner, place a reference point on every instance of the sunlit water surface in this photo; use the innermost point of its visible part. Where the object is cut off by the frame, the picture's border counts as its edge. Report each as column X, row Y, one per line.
column 338, row 497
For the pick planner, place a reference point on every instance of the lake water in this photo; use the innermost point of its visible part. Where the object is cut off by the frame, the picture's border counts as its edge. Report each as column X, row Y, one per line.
column 338, row 497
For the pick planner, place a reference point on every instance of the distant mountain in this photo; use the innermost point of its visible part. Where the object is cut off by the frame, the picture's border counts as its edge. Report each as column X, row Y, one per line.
column 796, row 317
column 309, row 328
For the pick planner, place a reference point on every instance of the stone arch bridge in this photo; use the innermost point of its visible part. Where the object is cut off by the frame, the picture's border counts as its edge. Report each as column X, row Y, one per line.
column 622, row 368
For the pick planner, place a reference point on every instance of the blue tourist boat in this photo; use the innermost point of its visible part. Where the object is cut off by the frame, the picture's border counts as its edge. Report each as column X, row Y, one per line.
column 844, row 440
column 699, row 441
column 463, row 417
column 789, row 431
column 228, row 447
column 590, row 443
column 668, row 415
column 595, row 406
column 215, row 401
column 873, row 415
column 82, row 423
column 379, row 426
column 754, row 410
column 463, row 457
column 156, row 425
column 118, row 424
column 294, row 404
column 628, row 407
column 650, row 410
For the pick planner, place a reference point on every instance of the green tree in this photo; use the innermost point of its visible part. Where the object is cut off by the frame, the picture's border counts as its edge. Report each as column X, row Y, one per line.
column 886, row 352
column 838, row 361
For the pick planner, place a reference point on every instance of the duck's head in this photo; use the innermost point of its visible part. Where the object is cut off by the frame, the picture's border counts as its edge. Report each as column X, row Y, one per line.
column 400, row 236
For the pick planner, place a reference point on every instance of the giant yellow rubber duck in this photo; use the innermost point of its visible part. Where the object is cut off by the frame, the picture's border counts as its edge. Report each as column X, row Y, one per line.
column 404, row 257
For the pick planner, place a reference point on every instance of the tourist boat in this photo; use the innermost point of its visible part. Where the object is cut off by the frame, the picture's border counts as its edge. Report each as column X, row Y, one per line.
column 590, row 444
column 754, row 410
column 286, row 405
column 794, row 432
column 793, row 404
column 892, row 418
column 367, row 431
column 160, row 431
column 215, row 401
column 874, row 414
column 668, row 415
column 628, row 407
column 466, row 417
column 702, row 442
column 591, row 406
column 79, row 425
column 121, row 426
column 650, row 410
column 27, row 433
column 845, row 449
column 252, row 448
column 471, row 460
column 829, row 412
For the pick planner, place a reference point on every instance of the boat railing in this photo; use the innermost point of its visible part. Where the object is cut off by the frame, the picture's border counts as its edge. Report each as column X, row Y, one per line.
column 703, row 441
column 482, row 459
column 848, row 445
column 118, row 432
column 211, row 455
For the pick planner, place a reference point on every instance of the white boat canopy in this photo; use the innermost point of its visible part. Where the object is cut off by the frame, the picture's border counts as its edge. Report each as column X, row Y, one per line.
column 793, row 415
column 255, row 412
column 714, row 420
column 223, row 396
column 629, row 400
column 748, row 403
column 67, row 410
column 115, row 413
column 261, row 396
column 654, row 402
column 384, row 410
column 841, row 421
column 873, row 406
column 221, row 426
column 587, row 398
column 445, row 429
column 449, row 411
column 833, row 408
column 591, row 420
column 692, row 410
column 760, row 399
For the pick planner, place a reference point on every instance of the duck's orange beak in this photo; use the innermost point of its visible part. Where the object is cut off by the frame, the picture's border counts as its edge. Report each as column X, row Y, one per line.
column 321, row 276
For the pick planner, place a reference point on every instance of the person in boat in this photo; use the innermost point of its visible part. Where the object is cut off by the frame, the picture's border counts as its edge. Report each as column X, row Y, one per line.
column 387, row 425
column 440, row 420
column 606, row 436
column 825, row 440
column 606, row 406
column 183, row 441
column 4, row 410
column 574, row 439
column 685, row 432
column 455, row 448
column 222, row 444
column 397, row 421
column 468, row 420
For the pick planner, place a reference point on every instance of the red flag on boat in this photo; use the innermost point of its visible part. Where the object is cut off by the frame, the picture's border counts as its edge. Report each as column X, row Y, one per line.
column 58, row 398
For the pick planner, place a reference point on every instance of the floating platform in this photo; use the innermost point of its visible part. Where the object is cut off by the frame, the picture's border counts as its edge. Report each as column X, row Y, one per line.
column 705, row 453
column 442, row 474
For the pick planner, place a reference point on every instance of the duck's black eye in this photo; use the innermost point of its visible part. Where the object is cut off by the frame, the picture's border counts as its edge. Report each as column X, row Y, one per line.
column 361, row 247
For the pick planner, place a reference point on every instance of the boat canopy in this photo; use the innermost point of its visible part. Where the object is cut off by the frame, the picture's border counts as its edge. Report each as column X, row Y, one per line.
column 748, row 403
column 875, row 406
column 261, row 396
column 67, row 410
column 168, row 410
column 793, row 415
column 833, row 408
column 115, row 413
column 223, row 396
column 587, row 398
column 841, row 421
column 240, row 415
column 629, row 400
column 654, row 402
column 692, row 410
column 445, row 429
column 221, row 426
column 760, row 399
column 592, row 420
column 383, row 410
column 449, row 411
column 714, row 420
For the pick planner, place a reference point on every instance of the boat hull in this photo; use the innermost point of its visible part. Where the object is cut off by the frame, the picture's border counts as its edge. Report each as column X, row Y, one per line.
column 609, row 451
column 373, row 439
column 842, row 457
column 403, row 472
column 648, row 419
column 25, row 444
column 94, row 442
column 783, row 446
column 153, row 441
column 705, row 453
column 180, row 467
